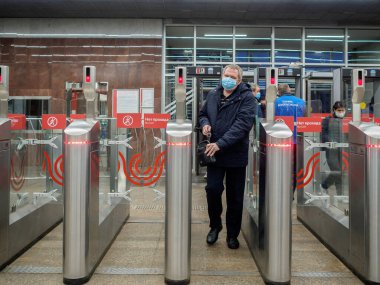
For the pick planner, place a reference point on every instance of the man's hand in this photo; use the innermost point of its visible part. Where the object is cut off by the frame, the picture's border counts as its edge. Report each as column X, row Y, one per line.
column 211, row 149
column 206, row 130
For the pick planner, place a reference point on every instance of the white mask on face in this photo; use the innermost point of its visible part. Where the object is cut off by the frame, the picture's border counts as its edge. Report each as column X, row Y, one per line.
column 340, row 114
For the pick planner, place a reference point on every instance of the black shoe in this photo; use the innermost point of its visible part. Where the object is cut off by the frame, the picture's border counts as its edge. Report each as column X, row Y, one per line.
column 233, row 243
column 212, row 236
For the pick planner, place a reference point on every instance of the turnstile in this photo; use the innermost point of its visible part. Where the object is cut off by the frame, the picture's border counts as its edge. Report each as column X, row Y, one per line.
column 353, row 234
column 178, row 190
column 94, row 212
column 266, row 223
column 30, row 205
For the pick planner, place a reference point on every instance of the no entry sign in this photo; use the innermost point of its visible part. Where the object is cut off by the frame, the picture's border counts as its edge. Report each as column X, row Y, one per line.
column 54, row 121
column 156, row 121
column 128, row 120
column 309, row 125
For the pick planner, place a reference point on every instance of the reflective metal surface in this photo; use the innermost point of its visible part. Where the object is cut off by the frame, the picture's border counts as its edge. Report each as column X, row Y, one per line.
column 267, row 218
column 365, row 200
column 178, row 202
column 81, row 183
column 5, row 160
column 93, row 217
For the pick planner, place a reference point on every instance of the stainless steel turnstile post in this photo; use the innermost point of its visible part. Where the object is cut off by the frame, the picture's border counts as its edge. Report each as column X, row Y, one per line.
column 178, row 190
column 5, row 164
column 266, row 223
column 81, row 184
column 90, row 225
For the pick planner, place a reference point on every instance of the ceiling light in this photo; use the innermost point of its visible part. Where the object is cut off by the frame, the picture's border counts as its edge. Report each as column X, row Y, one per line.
column 224, row 35
column 326, row 36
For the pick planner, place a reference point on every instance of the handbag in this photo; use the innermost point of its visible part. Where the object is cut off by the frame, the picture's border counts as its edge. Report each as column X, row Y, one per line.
column 203, row 159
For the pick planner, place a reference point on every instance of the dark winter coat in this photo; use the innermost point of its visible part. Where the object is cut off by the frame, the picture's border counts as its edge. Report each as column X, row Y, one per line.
column 230, row 124
column 332, row 130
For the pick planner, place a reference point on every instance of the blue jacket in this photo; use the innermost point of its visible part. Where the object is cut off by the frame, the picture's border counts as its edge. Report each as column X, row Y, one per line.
column 292, row 106
column 230, row 124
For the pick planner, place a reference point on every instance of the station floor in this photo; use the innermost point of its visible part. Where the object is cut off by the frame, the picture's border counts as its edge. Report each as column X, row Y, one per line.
column 137, row 255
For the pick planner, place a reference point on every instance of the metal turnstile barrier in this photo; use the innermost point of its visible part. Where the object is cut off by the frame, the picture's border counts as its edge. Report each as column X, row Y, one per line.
column 178, row 190
column 349, row 225
column 30, row 201
column 364, row 177
column 5, row 162
column 95, row 202
column 266, row 223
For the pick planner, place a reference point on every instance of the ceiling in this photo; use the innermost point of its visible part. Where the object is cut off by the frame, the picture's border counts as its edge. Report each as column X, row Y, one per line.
column 252, row 12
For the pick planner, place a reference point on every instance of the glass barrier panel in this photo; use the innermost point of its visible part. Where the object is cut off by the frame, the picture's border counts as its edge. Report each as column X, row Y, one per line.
column 324, row 175
column 36, row 169
column 252, row 193
column 107, row 173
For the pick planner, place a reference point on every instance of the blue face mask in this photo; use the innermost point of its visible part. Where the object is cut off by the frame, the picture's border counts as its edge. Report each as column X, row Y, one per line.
column 228, row 83
column 258, row 95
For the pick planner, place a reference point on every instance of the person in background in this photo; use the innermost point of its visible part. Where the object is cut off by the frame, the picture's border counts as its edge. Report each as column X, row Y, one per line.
column 228, row 116
column 289, row 105
column 256, row 93
column 332, row 132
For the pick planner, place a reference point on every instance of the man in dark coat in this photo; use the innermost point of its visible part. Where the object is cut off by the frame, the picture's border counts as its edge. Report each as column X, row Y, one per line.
column 227, row 115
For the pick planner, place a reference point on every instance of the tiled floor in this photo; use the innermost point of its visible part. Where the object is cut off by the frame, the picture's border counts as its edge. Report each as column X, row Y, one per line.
column 137, row 255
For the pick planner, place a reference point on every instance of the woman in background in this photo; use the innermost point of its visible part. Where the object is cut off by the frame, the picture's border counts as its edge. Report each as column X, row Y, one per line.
column 332, row 132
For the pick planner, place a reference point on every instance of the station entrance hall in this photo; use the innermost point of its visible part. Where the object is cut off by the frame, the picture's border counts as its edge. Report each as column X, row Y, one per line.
column 189, row 142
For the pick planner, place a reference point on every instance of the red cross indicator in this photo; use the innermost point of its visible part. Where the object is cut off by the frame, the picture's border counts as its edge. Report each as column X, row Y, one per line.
column 128, row 121
column 54, row 122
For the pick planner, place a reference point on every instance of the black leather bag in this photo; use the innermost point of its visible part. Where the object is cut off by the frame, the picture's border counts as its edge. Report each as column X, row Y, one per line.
column 204, row 160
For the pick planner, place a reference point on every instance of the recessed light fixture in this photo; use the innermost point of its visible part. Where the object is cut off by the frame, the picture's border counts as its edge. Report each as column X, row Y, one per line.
column 225, row 35
column 326, row 36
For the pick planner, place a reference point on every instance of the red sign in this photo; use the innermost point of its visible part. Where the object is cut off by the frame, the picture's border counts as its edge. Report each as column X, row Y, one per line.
column 311, row 125
column 18, row 121
column 156, row 121
column 319, row 115
column 366, row 118
column 128, row 120
column 345, row 125
column 54, row 121
column 376, row 121
column 77, row 117
column 288, row 120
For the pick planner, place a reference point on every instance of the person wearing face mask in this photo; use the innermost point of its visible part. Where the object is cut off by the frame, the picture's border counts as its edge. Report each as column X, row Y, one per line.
column 332, row 132
column 228, row 116
column 256, row 93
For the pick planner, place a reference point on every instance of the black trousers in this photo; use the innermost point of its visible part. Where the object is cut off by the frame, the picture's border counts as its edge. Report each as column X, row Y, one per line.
column 334, row 161
column 235, row 182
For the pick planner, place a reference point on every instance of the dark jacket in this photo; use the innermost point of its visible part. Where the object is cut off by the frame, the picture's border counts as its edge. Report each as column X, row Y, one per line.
column 332, row 129
column 230, row 124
